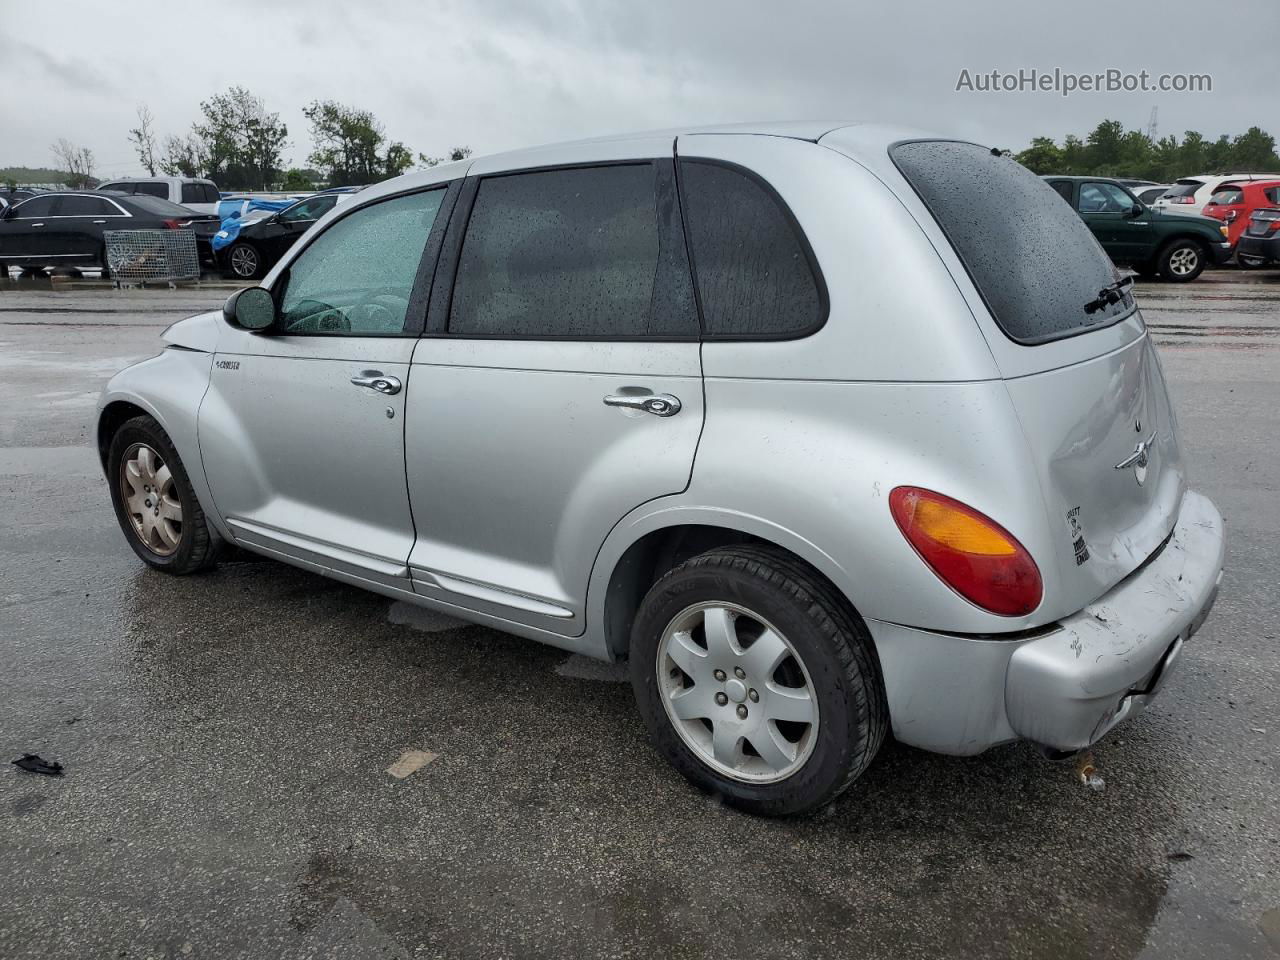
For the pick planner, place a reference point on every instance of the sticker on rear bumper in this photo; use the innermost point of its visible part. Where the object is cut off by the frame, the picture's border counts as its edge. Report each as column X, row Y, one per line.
column 1075, row 524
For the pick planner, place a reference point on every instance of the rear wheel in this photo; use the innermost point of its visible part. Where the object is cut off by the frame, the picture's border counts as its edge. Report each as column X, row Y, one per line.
column 757, row 681
column 1181, row 261
column 154, row 502
column 244, row 262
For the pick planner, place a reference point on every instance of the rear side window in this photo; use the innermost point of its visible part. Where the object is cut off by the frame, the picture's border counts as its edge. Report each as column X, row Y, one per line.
column 1184, row 188
column 755, row 274
column 1227, row 195
column 587, row 252
column 1033, row 260
column 1063, row 187
column 87, row 207
column 160, row 190
column 1272, row 194
column 121, row 187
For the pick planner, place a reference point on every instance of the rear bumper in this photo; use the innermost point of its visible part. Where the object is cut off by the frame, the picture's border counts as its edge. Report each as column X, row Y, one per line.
column 1265, row 247
column 1067, row 688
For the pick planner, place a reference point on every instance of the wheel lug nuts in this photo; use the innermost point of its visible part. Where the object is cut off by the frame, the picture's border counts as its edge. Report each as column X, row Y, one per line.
column 719, row 675
column 721, row 699
column 740, row 673
column 755, row 697
column 742, row 712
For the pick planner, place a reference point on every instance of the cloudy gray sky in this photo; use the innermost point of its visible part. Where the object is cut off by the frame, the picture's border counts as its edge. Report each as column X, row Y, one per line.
column 497, row 74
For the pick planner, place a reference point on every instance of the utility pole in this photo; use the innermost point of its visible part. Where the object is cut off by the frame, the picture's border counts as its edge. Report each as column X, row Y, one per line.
column 1152, row 128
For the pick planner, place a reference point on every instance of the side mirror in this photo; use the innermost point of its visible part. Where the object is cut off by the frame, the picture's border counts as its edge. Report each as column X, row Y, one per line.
column 250, row 309
column 1137, row 210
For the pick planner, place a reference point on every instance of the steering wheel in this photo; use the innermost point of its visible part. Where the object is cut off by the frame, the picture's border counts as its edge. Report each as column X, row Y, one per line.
column 383, row 311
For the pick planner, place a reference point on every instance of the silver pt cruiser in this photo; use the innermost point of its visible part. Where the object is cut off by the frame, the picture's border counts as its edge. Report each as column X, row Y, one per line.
column 829, row 430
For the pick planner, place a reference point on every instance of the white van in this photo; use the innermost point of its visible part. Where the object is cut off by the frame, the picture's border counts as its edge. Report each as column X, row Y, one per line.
column 194, row 193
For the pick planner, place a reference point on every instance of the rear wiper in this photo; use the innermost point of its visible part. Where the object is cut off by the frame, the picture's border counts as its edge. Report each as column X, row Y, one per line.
column 1108, row 295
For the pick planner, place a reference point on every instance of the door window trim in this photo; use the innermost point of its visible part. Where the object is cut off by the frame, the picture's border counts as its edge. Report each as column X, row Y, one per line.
column 60, row 196
column 415, row 315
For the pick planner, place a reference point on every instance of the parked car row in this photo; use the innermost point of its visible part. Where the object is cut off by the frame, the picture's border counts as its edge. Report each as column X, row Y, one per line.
column 66, row 228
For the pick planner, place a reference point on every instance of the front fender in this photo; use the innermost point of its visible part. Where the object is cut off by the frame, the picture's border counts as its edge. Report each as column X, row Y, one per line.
column 169, row 388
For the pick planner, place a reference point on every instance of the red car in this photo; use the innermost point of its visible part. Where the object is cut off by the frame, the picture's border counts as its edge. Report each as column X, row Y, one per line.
column 1234, row 202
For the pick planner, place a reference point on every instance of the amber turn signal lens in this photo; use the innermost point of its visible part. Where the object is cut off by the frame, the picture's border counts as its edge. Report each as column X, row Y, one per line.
column 968, row 551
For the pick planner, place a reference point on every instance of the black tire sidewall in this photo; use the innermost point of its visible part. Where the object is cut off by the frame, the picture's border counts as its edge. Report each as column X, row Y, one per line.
column 826, row 770
column 145, row 430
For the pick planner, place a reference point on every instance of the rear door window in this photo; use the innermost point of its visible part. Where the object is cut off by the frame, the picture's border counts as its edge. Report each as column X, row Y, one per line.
column 755, row 273
column 1063, row 187
column 78, row 206
column 1033, row 260
column 576, row 253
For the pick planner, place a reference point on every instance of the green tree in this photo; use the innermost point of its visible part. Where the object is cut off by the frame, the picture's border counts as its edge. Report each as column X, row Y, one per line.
column 1043, row 156
column 455, row 153
column 1105, row 146
column 184, row 157
column 1073, row 155
column 296, row 181
column 240, row 140
column 1254, row 151
column 349, row 145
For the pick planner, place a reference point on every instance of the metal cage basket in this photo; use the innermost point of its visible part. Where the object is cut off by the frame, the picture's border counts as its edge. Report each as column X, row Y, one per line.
column 152, row 256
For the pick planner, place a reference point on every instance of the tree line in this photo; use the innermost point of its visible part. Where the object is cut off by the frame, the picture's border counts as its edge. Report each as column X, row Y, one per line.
column 1111, row 151
column 239, row 144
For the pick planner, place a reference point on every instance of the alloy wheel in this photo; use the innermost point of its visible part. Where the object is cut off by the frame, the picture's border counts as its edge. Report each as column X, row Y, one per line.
column 150, row 499
column 1183, row 261
column 244, row 261
column 737, row 693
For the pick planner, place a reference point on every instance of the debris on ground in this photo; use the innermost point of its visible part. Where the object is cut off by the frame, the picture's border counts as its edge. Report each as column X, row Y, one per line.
column 410, row 762
column 33, row 763
column 1088, row 772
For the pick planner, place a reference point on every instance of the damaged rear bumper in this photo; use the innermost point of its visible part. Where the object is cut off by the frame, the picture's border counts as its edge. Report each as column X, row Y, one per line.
column 1064, row 689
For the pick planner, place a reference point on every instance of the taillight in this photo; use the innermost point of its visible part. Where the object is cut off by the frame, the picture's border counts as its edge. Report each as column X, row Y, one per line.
column 1181, row 199
column 174, row 224
column 969, row 551
column 1275, row 225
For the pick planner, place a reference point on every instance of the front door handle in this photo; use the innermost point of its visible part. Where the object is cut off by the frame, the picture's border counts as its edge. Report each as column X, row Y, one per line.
column 37, row 225
column 375, row 380
column 659, row 404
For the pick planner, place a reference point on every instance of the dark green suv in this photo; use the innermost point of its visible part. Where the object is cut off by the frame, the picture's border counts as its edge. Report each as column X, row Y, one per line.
column 1177, row 246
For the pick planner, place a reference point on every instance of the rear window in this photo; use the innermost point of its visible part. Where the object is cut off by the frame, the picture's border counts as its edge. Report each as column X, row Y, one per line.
column 1228, row 195
column 160, row 190
column 1184, row 188
column 1031, row 257
column 1272, row 194
column 161, row 208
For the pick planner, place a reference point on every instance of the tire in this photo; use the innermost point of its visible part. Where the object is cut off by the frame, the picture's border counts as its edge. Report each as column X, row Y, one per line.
column 1181, row 261
column 830, row 655
column 1250, row 263
column 180, row 547
column 244, row 262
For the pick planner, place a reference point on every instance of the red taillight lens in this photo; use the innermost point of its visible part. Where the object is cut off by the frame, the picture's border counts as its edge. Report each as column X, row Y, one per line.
column 174, row 224
column 1182, row 200
column 969, row 551
column 1275, row 225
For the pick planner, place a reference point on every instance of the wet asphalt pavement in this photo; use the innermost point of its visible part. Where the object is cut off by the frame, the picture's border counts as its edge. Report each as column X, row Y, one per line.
column 226, row 740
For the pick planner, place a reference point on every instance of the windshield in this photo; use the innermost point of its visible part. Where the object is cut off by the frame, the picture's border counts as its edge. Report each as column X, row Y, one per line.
column 1033, row 260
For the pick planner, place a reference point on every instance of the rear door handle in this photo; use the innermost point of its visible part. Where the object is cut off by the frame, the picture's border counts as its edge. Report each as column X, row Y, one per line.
column 99, row 221
column 37, row 225
column 659, row 404
column 375, row 380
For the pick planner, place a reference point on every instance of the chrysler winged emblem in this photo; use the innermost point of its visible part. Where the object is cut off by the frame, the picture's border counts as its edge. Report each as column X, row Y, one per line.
column 1138, row 459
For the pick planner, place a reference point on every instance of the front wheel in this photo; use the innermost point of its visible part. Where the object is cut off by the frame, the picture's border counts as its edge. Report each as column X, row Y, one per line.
column 757, row 681
column 154, row 502
column 1181, row 261
column 244, row 262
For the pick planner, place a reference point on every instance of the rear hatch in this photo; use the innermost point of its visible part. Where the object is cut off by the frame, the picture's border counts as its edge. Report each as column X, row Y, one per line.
column 1097, row 422
column 1262, row 221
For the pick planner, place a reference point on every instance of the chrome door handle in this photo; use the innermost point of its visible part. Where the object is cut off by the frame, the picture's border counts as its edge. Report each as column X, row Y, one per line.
column 659, row 404
column 37, row 225
column 99, row 221
column 374, row 380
